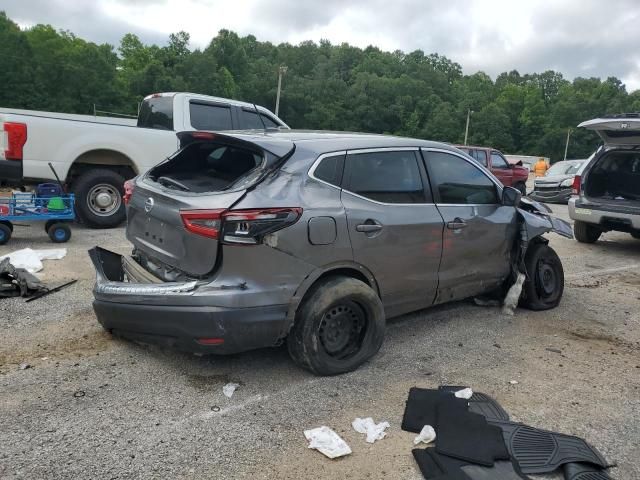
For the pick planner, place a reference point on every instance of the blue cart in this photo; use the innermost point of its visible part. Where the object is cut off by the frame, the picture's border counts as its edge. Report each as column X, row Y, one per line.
column 48, row 204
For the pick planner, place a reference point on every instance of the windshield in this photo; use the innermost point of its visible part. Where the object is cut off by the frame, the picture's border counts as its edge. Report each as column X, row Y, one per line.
column 564, row 168
column 156, row 112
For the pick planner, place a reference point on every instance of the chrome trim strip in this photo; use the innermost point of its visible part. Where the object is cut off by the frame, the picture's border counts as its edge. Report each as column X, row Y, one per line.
column 124, row 288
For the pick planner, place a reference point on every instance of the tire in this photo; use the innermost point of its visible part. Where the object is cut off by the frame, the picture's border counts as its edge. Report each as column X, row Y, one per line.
column 47, row 225
column 544, row 286
column 59, row 232
column 95, row 186
column 636, row 234
column 5, row 233
column 586, row 233
column 321, row 342
column 8, row 224
column 522, row 187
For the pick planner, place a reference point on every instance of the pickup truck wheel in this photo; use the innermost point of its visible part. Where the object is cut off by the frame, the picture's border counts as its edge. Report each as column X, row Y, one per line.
column 338, row 327
column 522, row 187
column 99, row 198
column 5, row 233
column 586, row 233
column 544, row 286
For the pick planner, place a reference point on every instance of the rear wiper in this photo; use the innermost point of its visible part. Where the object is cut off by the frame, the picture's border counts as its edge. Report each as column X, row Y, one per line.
column 171, row 183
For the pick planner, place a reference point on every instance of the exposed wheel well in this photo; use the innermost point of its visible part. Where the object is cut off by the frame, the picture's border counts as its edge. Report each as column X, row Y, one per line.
column 102, row 158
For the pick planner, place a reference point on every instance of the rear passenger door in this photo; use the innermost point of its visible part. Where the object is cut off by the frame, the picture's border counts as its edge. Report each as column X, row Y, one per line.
column 501, row 169
column 211, row 116
column 395, row 229
column 479, row 231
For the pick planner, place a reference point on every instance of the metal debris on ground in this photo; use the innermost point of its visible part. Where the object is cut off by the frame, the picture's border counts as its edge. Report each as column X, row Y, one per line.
column 17, row 282
column 49, row 291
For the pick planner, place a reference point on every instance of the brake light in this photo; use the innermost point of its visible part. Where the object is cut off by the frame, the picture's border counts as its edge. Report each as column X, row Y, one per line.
column 15, row 138
column 246, row 227
column 210, row 341
column 576, row 185
column 128, row 191
column 203, row 135
column 202, row 222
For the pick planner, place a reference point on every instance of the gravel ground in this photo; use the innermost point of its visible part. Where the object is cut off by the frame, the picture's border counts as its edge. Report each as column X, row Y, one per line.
column 91, row 406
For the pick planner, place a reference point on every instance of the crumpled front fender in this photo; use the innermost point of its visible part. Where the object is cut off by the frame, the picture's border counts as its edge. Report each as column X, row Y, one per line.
column 537, row 220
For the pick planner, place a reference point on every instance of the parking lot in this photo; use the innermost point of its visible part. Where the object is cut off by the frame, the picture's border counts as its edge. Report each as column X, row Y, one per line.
column 91, row 406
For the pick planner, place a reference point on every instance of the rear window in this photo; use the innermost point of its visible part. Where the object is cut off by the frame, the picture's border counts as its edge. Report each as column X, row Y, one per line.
column 205, row 116
column 156, row 112
column 253, row 122
column 207, row 167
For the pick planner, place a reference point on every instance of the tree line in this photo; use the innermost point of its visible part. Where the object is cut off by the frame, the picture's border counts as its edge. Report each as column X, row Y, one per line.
column 326, row 86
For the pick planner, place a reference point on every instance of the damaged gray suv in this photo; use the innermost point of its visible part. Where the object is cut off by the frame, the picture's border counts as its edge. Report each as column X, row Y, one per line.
column 248, row 240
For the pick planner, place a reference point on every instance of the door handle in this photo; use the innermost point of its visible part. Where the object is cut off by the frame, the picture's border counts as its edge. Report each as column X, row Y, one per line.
column 368, row 227
column 457, row 224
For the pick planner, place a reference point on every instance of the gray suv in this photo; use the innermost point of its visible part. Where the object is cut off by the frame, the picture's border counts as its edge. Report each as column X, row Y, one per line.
column 247, row 240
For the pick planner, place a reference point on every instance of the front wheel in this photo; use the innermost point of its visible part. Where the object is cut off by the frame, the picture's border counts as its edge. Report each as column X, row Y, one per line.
column 338, row 327
column 545, row 278
column 99, row 198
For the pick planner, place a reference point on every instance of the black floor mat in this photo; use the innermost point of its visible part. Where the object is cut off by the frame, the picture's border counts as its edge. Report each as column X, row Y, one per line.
column 542, row 451
column 433, row 466
column 421, row 408
column 481, row 403
column 467, row 436
column 584, row 471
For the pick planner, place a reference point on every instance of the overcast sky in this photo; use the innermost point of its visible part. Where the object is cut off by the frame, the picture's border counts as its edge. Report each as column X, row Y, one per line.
column 576, row 37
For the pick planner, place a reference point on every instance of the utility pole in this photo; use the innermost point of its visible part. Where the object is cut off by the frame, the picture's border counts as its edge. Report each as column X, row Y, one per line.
column 281, row 71
column 566, row 147
column 466, row 130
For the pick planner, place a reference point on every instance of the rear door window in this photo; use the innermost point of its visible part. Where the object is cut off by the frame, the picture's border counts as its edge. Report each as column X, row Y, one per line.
column 252, row 121
column 387, row 177
column 156, row 112
column 459, row 182
column 206, row 116
column 481, row 157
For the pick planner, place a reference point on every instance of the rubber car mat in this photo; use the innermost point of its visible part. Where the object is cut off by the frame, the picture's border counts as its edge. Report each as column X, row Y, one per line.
column 542, row 451
column 481, row 403
column 421, row 408
column 467, row 436
column 434, row 465
column 584, row 471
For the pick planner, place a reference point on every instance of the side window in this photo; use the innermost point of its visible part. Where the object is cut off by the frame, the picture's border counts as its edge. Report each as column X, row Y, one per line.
column 330, row 170
column 458, row 181
column 388, row 177
column 252, row 121
column 498, row 161
column 481, row 156
column 210, row 117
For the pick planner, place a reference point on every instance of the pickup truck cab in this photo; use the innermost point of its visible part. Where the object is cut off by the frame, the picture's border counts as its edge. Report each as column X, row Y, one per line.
column 95, row 155
column 509, row 174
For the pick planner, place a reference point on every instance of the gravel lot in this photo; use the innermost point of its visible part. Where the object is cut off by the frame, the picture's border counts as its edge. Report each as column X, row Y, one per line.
column 94, row 407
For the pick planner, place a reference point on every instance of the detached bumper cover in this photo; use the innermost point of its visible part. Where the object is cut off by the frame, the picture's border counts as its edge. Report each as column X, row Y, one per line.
column 170, row 314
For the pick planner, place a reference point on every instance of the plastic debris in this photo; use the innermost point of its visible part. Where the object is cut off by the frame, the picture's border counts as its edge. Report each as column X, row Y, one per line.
column 374, row 431
column 31, row 260
column 465, row 393
column 24, row 366
column 327, row 442
column 229, row 388
column 513, row 382
column 513, row 295
column 426, row 435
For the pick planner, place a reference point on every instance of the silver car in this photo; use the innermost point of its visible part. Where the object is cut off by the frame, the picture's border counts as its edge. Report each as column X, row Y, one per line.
column 251, row 239
column 556, row 186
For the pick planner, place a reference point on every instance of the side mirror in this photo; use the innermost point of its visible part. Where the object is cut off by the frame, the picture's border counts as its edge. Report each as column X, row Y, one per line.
column 511, row 197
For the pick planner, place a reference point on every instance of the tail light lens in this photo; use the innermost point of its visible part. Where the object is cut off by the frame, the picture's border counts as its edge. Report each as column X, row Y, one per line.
column 202, row 222
column 128, row 190
column 246, row 227
column 576, row 185
column 15, row 137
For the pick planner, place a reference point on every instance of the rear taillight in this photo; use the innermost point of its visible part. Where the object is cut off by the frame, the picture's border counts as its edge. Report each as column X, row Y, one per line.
column 128, row 191
column 202, row 222
column 245, row 227
column 576, row 185
column 15, row 138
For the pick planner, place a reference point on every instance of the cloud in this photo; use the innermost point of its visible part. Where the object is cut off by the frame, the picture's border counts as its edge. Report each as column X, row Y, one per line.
column 575, row 37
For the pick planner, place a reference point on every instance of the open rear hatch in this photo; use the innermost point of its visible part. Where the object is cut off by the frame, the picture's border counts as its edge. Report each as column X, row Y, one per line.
column 176, row 209
column 623, row 129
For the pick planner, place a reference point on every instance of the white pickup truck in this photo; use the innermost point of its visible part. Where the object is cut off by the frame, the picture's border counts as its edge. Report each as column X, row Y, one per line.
column 95, row 155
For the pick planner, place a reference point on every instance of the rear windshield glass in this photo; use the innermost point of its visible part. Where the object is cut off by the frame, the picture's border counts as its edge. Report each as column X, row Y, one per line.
column 207, row 167
column 563, row 168
column 156, row 112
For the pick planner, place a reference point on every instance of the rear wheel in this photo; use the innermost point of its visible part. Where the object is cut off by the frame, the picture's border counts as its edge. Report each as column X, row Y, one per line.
column 544, row 286
column 59, row 232
column 5, row 232
column 338, row 327
column 99, row 198
column 522, row 187
column 586, row 233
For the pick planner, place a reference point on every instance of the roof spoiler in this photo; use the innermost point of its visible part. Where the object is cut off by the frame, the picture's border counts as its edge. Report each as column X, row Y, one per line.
column 275, row 146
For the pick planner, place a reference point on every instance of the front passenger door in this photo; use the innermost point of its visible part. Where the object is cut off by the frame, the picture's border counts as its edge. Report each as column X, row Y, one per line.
column 479, row 231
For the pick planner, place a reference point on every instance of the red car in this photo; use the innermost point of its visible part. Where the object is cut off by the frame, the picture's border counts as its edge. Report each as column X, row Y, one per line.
column 511, row 175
